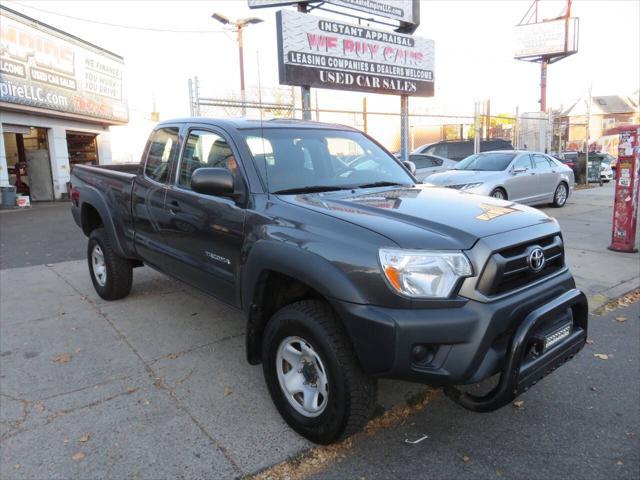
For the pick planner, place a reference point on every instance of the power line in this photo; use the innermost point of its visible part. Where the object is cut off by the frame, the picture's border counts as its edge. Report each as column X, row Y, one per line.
column 130, row 27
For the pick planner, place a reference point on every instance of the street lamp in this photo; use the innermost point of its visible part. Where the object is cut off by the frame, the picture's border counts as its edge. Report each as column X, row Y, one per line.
column 239, row 25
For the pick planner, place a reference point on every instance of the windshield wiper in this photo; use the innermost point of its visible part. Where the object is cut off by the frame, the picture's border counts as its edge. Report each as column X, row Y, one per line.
column 380, row 184
column 311, row 189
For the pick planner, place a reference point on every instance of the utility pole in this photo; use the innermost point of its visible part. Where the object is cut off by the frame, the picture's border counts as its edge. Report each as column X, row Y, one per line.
column 477, row 128
column 487, row 132
column 239, row 25
column 586, row 140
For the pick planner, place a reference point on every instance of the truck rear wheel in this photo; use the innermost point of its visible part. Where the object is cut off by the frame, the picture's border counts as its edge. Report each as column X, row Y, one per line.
column 111, row 275
column 313, row 376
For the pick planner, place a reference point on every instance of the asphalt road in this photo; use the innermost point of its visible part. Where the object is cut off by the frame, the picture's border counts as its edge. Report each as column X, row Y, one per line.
column 44, row 233
column 582, row 421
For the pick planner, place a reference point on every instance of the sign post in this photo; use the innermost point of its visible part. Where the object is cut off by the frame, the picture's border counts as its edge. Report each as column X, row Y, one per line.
column 404, row 127
column 625, row 207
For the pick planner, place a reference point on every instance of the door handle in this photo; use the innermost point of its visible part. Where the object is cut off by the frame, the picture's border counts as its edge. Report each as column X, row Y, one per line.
column 174, row 207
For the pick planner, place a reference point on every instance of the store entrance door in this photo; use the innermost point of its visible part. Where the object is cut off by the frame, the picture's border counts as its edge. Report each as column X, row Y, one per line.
column 82, row 147
column 28, row 161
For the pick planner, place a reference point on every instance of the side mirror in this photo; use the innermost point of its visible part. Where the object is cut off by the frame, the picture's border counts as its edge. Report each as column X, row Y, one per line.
column 212, row 181
column 410, row 166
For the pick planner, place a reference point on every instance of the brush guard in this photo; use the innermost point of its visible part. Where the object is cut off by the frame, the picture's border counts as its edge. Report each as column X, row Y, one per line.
column 528, row 360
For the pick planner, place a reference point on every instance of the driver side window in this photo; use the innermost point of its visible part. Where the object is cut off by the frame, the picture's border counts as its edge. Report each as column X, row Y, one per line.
column 205, row 149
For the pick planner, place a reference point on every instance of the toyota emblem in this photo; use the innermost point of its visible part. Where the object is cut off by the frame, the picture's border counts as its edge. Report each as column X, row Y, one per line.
column 536, row 259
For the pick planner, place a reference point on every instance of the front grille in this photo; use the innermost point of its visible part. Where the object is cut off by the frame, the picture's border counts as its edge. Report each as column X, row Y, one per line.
column 509, row 270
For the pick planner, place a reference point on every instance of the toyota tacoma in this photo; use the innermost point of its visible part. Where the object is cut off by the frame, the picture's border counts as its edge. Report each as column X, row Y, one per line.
column 346, row 269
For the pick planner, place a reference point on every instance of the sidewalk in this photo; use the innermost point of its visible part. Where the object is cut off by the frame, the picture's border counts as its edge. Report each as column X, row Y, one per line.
column 157, row 385
column 586, row 227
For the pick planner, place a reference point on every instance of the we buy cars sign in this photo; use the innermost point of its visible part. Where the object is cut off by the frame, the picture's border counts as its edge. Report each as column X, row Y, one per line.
column 323, row 53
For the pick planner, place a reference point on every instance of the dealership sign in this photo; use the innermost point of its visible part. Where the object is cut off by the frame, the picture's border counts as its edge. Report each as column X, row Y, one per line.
column 407, row 11
column 324, row 53
column 44, row 68
column 554, row 38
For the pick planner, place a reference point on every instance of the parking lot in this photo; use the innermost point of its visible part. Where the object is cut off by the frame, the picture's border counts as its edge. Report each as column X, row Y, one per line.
column 157, row 385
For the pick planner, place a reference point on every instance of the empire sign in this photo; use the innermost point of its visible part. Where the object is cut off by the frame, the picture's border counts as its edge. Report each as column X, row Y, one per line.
column 323, row 53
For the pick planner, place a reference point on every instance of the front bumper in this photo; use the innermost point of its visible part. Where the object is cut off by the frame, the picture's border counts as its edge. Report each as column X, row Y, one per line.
column 470, row 341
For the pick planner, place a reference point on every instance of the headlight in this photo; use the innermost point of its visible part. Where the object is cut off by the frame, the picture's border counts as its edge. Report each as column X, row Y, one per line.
column 423, row 273
column 465, row 186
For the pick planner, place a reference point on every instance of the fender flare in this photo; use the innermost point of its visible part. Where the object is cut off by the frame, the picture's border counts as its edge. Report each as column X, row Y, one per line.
column 302, row 265
column 94, row 198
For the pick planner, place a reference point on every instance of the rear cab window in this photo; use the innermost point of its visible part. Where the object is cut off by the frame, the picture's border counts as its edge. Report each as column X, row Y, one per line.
column 161, row 149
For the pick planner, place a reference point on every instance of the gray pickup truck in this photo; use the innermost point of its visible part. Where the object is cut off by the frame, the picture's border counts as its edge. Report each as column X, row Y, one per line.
column 346, row 270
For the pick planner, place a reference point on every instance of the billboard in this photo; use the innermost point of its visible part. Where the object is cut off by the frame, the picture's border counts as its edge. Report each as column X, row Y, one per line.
column 402, row 10
column 547, row 38
column 323, row 53
column 45, row 69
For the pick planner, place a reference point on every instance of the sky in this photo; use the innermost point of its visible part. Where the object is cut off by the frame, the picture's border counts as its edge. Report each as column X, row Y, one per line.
column 473, row 52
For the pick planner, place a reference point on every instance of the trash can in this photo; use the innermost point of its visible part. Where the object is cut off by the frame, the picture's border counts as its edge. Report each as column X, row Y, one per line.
column 8, row 196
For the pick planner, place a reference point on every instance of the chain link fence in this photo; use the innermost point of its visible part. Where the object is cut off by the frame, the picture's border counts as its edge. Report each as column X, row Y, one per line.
column 531, row 131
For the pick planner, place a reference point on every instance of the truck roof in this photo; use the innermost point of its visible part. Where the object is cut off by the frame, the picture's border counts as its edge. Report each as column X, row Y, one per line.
column 247, row 123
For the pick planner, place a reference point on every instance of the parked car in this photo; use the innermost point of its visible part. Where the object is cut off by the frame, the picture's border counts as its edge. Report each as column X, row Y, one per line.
column 521, row 176
column 345, row 275
column 607, row 166
column 570, row 159
column 460, row 149
column 429, row 164
column 607, row 163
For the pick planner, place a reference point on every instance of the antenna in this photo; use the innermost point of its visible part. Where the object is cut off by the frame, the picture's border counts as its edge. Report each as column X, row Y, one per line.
column 264, row 150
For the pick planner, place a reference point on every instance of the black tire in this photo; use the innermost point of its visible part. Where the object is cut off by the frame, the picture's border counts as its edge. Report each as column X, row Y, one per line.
column 352, row 394
column 499, row 191
column 560, row 203
column 119, row 271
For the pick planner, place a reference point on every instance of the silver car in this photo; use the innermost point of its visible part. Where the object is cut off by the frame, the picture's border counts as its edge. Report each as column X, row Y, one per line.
column 524, row 177
column 429, row 164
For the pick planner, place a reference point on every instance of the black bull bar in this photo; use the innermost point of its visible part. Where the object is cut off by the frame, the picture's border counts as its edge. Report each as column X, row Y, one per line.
column 521, row 370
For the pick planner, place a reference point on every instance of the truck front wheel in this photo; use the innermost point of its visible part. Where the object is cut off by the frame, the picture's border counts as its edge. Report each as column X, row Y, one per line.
column 111, row 275
column 312, row 373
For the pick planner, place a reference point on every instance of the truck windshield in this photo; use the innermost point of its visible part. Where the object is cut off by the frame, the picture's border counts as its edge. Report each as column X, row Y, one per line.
column 316, row 160
column 493, row 162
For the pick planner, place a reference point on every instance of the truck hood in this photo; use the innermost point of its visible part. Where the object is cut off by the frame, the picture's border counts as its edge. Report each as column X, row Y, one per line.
column 424, row 216
column 460, row 177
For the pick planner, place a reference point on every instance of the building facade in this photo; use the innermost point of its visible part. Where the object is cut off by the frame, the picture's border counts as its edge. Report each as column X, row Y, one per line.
column 58, row 97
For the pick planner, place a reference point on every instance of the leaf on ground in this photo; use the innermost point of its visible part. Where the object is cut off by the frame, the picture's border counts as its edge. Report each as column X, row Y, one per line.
column 465, row 458
column 619, row 462
column 78, row 456
column 84, row 438
column 589, row 341
column 227, row 391
column 63, row 358
column 173, row 356
column 601, row 356
column 621, row 319
column 518, row 403
column 78, row 350
column 17, row 466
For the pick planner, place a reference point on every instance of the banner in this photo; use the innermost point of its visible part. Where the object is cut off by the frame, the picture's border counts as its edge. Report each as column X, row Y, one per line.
column 324, row 53
column 44, row 68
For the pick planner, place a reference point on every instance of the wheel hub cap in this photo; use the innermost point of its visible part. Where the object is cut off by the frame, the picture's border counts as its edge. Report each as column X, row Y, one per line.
column 302, row 376
column 99, row 267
